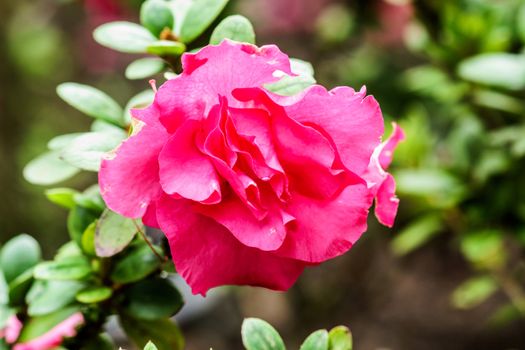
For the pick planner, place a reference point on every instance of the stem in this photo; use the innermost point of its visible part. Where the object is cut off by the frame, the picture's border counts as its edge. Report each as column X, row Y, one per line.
column 145, row 238
column 512, row 289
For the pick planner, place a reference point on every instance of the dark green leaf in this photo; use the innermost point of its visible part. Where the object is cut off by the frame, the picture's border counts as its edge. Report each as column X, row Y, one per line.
column 39, row 325
column 156, row 16
column 78, row 220
column 136, row 265
column 144, row 67
column 19, row 287
column 48, row 169
column 101, row 342
column 114, row 233
column 73, row 268
column 124, row 37
column 234, row 27
column 163, row 333
column 199, row 16
column 318, row 340
column 91, row 101
column 166, row 48
column 94, row 295
column 260, row 335
column 474, row 291
column 340, row 338
column 49, row 296
column 18, row 255
column 61, row 196
column 152, row 299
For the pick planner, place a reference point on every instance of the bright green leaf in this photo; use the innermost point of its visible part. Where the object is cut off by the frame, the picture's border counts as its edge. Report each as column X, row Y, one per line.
column 144, row 68
column 78, row 220
column 94, row 295
column 60, row 142
column 340, row 338
column 114, row 232
column 260, row 335
column 48, row 169
column 91, row 101
column 166, row 48
column 61, row 196
column 74, row 268
column 474, row 291
column 18, row 255
column 156, row 16
column 484, row 249
column 234, row 27
column 289, row 86
column 124, row 37
column 318, row 340
column 198, row 18
column 416, row 234
column 4, row 291
column 150, row 346
column 152, row 299
column 88, row 239
column 301, row 67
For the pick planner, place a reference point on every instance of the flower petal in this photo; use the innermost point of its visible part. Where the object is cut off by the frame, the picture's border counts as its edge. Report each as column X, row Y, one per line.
column 388, row 147
column 387, row 202
column 207, row 255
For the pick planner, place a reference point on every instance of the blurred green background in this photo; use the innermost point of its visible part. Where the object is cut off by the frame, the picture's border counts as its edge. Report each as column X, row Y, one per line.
column 449, row 275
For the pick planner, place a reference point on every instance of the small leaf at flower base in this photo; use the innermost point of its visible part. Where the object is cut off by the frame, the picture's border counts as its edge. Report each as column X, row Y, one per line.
column 484, row 249
column 91, row 101
column 144, row 68
column 318, row 340
column 164, row 333
column 37, row 326
column 474, row 291
column 113, row 233
column 416, row 234
column 152, row 299
column 74, row 268
column 502, row 70
column 51, row 296
column 136, row 265
column 166, row 48
column 88, row 239
column 18, row 255
column 340, row 338
column 234, row 27
column 61, row 196
column 198, row 18
column 124, row 37
column 19, row 287
column 289, row 86
column 260, row 335
column 86, row 151
column 78, row 220
column 94, row 295
column 139, row 101
column 48, row 169
column 156, row 16
column 60, row 142
column 150, row 346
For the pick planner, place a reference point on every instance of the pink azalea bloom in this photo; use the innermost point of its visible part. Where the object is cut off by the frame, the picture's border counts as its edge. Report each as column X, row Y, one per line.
column 12, row 329
column 250, row 187
column 54, row 337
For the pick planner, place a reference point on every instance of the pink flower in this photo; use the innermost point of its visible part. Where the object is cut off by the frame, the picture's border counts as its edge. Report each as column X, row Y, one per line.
column 250, row 187
column 55, row 336
column 12, row 329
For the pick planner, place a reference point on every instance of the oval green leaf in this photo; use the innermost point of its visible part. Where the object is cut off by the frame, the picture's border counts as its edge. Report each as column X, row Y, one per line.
column 136, row 265
column 166, row 48
column 152, row 299
column 260, row 335
column 318, row 340
column 94, row 295
column 340, row 338
column 113, row 233
column 198, row 18
column 156, row 16
column 144, row 68
column 48, row 296
column 18, row 255
column 235, row 27
column 73, row 268
column 48, row 169
column 124, row 37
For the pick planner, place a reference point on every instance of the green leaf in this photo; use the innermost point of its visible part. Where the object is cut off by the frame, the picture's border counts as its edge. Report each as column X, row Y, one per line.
column 114, row 232
column 144, row 67
column 18, row 255
column 88, row 239
column 301, row 67
column 100, row 342
column 198, row 18
column 166, row 48
column 289, row 86
column 340, row 338
column 90, row 199
column 164, row 333
column 93, row 295
column 520, row 22
column 260, row 335
column 38, row 326
column 484, row 249
column 48, row 169
column 234, row 27
column 73, row 268
column 48, row 296
column 4, row 291
column 139, row 101
column 152, row 299
column 503, row 70
column 61, row 196
column 78, row 220
column 91, row 101
column 474, row 291
column 156, row 16
column 86, row 151
column 124, row 37
column 318, row 340
column 150, row 346
column 100, row 125
column 416, row 234
column 19, row 287
column 5, row 313
column 68, row 250
column 60, row 142
column 136, row 265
